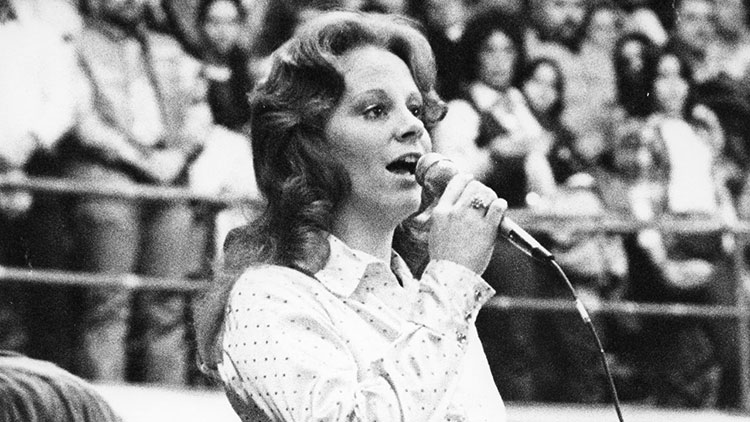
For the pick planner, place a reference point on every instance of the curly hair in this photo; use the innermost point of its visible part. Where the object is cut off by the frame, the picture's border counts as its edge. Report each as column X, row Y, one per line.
column 301, row 181
column 480, row 28
column 634, row 89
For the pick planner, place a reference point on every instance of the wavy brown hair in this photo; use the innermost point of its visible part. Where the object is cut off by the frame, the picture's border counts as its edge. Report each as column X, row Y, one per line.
column 301, row 181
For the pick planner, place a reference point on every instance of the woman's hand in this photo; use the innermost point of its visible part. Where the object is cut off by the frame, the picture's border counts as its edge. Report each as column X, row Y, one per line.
column 465, row 222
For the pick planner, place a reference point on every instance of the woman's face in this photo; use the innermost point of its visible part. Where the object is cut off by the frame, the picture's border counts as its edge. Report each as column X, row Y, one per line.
column 603, row 27
column 222, row 26
column 541, row 88
column 670, row 88
column 632, row 52
column 497, row 58
column 376, row 132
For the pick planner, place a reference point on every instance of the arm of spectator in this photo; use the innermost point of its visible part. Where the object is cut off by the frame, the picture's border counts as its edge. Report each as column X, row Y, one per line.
column 455, row 137
column 57, row 71
column 524, row 133
column 106, row 140
column 681, row 273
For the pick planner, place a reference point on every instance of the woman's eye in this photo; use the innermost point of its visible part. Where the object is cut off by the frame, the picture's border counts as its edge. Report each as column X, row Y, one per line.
column 417, row 110
column 374, row 112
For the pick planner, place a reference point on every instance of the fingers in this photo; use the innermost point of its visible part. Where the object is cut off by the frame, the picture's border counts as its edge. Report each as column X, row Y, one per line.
column 496, row 211
column 466, row 195
column 453, row 191
column 476, row 196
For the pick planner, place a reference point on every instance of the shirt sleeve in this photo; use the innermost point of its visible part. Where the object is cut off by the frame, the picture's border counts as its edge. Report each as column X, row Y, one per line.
column 284, row 356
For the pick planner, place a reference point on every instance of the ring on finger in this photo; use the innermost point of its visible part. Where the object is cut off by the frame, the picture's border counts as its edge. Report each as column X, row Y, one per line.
column 478, row 204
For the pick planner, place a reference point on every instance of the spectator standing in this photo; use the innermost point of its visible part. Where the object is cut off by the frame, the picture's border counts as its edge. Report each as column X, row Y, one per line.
column 37, row 80
column 132, row 130
column 227, row 64
column 558, row 30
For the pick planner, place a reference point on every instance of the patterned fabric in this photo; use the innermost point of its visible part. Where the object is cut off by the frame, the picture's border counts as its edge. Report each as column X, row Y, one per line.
column 363, row 340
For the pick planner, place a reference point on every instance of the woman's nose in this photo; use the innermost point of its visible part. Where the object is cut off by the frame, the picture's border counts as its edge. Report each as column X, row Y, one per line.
column 410, row 127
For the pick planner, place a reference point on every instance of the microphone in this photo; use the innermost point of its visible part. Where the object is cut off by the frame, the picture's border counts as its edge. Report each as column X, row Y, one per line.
column 433, row 173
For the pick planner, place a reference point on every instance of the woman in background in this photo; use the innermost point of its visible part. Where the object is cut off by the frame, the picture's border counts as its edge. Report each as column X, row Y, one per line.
column 227, row 64
column 543, row 86
column 490, row 131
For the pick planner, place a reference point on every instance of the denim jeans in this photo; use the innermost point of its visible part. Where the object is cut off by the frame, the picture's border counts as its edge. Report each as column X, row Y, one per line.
column 147, row 238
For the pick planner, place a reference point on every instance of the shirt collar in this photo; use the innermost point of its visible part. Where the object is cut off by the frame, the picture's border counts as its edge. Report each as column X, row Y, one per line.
column 346, row 267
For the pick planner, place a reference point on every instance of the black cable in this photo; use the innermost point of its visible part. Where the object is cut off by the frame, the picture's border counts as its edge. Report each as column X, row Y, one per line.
column 587, row 321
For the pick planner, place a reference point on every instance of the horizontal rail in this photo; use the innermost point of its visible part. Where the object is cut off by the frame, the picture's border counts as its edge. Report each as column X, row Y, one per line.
column 136, row 282
column 540, row 221
column 616, row 307
column 120, row 191
column 101, row 280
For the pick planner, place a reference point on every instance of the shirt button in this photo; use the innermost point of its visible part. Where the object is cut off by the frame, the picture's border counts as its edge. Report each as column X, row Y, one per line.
column 478, row 295
column 461, row 337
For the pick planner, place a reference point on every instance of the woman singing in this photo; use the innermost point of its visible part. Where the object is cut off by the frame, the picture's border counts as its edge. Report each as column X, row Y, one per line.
column 328, row 310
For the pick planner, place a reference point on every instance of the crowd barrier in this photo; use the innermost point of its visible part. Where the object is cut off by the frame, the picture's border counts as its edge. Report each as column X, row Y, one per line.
column 739, row 312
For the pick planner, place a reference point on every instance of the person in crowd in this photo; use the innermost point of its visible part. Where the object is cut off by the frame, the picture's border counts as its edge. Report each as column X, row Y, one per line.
column 594, row 262
column 634, row 58
column 37, row 82
column 731, row 17
column 695, row 37
column 227, row 63
column 664, row 168
column 224, row 168
column 543, row 86
column 558, row 29
column 490, row 132
column 181, row 18
column 319, row 316
column 133, row 129
column 37, row 390
column 727, row 98
column 444, row 22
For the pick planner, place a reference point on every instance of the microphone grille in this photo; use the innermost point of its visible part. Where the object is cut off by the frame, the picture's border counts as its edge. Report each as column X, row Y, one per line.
column 424, row 163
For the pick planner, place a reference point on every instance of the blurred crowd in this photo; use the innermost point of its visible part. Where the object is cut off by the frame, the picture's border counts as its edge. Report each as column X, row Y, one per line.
column 638, row 108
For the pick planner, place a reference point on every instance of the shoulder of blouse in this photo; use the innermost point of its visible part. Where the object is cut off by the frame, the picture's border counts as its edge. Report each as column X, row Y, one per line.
column 278, row 290
column 267, row 279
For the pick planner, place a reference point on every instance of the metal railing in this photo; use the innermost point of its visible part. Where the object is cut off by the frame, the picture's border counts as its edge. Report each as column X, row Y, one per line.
column 739, row 311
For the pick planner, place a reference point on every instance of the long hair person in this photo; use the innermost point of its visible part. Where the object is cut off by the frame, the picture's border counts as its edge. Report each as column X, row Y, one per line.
column 335, row 304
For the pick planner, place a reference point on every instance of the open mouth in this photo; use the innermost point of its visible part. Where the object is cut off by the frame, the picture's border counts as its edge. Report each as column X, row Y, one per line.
column 406, row 164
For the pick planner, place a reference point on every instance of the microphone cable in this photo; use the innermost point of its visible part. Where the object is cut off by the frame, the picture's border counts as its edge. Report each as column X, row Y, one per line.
column 550, row 259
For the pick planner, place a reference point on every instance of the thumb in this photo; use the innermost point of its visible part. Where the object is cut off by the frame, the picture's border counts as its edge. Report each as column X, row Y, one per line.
column 423, row 219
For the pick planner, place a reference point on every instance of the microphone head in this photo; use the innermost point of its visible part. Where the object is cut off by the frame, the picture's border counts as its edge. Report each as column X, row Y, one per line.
column 433, row 172
column 425, row 162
